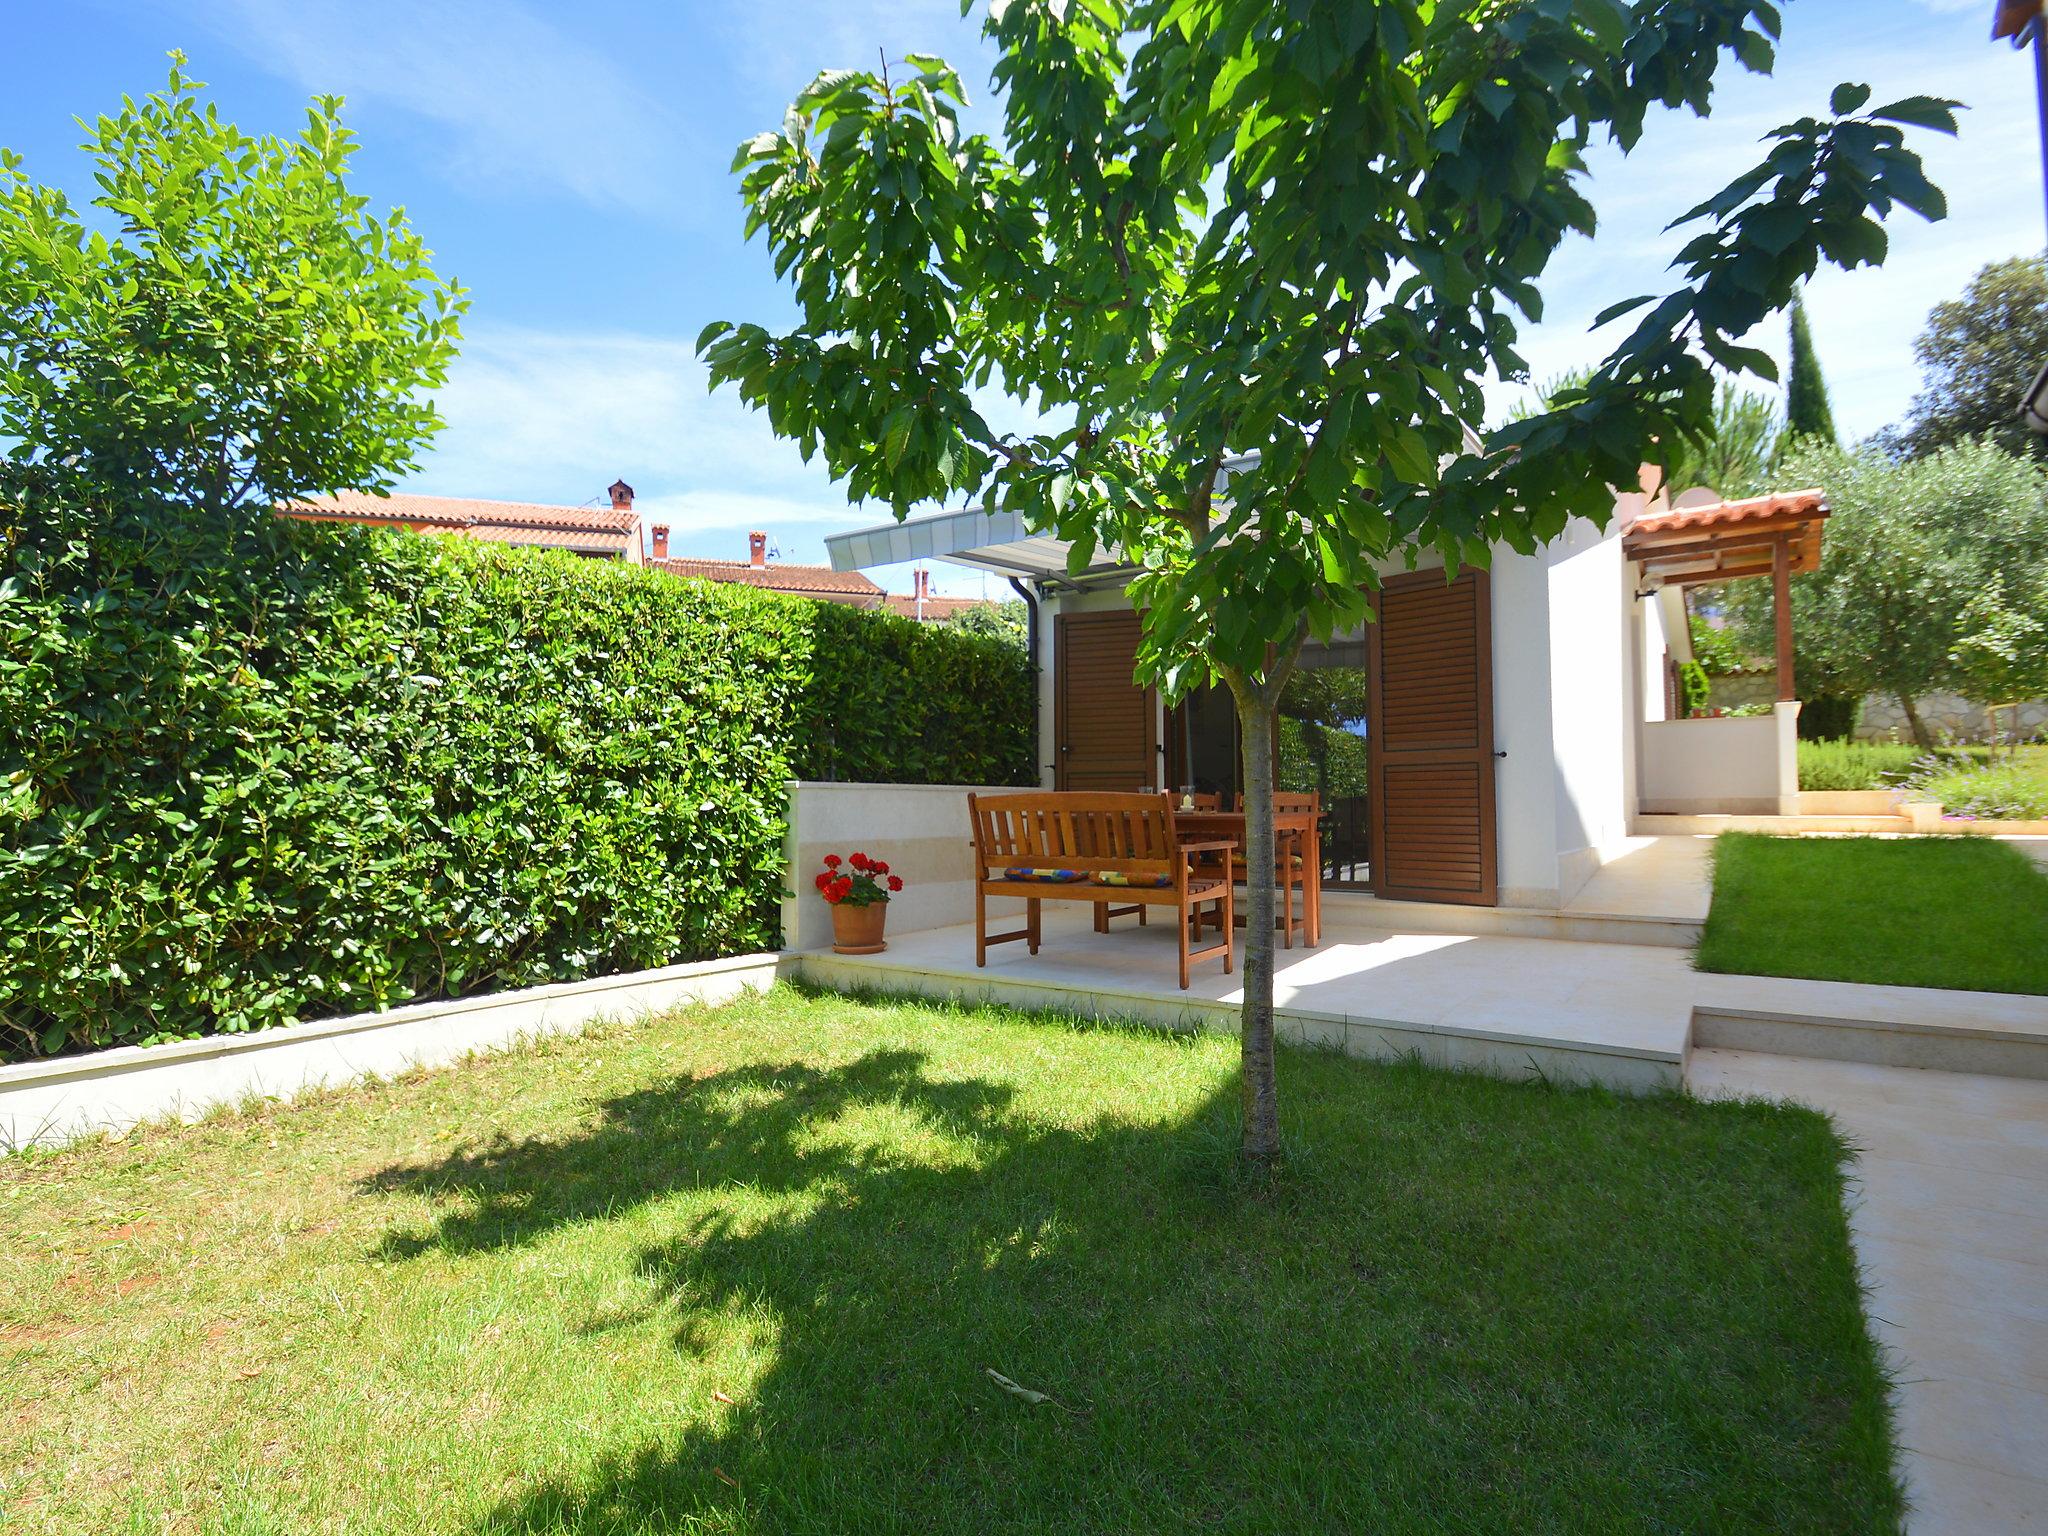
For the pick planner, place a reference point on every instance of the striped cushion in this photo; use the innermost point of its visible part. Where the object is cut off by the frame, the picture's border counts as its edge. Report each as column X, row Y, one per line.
column 1118, row 877
column 1049, row 876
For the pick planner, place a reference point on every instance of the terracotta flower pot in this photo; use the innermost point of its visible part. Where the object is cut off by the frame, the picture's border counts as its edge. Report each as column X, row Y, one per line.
column 858, row 930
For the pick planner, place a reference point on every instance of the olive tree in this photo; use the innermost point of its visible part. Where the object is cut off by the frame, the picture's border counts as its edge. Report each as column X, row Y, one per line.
column 1292, row 239
column 2000, row 658
column 1911, row 545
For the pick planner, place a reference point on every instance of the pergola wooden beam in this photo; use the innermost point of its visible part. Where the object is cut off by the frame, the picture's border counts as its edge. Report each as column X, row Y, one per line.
column 1781, row 605
column 1776, row 536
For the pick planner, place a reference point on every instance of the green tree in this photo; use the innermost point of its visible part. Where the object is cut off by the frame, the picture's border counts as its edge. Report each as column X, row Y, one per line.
column 1908, row 545
column 1004, row 621
column 1292, row 239
column 1715, row 647
column 1545, row 396
column 1977, row 356
column 1807, row 412
column 2001, row 653
column 238, row 330
column 1735, row 455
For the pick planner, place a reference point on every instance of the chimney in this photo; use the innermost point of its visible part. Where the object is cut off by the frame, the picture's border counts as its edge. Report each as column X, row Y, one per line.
column 622, row 496
column 660, row 532
column 757, row 550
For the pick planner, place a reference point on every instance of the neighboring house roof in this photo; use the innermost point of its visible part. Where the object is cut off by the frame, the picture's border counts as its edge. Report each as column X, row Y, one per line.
column 936, row 609
column 610, row 530
column 582, row 540
column 801, row 580
column 1724, row 540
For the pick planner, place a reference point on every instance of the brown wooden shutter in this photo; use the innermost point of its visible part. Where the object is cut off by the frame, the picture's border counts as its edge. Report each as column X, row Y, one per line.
column 1431, row 740
column 1107, row 734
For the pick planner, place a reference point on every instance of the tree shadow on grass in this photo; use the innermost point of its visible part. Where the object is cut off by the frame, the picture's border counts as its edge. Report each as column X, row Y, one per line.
column 1377, row 1344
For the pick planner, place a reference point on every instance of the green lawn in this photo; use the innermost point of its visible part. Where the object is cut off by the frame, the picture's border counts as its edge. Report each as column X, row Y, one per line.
column 1911, row 912
column 745, row 1270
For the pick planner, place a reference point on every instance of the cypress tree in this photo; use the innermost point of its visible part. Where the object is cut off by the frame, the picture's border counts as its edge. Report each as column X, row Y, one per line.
column 1807, row 413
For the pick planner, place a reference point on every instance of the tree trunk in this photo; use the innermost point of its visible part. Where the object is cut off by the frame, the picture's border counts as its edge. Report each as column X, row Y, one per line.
column 1915, row 724
column 1255, row 713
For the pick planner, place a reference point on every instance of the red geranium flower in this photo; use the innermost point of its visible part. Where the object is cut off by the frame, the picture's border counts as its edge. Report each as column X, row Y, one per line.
column 831, row 861
column 823, row 880
column 859, row 861
column 879, row 867
column 895, row 882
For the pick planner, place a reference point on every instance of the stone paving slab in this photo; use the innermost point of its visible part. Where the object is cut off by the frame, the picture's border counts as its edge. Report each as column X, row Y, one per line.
column 1949, row 1214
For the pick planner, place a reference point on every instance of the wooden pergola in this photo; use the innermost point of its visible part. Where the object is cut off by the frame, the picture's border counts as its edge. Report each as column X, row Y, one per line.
column 1776, row 536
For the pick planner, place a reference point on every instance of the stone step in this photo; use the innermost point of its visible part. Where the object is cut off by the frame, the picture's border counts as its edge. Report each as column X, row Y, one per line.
column 1358, row 909
column 1652, row 826
column 2006, row 1037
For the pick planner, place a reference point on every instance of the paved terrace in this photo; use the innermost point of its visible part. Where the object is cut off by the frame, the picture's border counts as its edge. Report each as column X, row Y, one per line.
column 1621, row 1013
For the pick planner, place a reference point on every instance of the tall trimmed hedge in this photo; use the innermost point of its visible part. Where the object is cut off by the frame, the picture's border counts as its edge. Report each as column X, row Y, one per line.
column 264, row 770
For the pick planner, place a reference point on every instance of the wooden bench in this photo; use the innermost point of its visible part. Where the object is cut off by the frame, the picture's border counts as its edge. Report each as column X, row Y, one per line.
column 1120, row 853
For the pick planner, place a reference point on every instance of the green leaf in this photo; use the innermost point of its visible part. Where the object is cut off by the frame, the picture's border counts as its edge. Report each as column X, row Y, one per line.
column 1904, row 181
column 1607, row 20
column 1496, row 96
column 1847, row 98
column 1933, row 112
column 1615, row 311
column 1774, row 226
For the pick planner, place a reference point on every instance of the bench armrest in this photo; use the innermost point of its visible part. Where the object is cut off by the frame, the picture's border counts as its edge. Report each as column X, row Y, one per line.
column 1214, row 845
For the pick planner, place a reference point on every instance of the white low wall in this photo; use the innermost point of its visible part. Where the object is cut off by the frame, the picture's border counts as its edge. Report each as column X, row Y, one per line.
column 1746, row 766
column 919, row 830
column 47, row 1102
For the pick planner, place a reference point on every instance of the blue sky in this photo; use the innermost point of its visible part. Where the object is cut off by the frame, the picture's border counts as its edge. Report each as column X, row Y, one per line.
column 568, row 164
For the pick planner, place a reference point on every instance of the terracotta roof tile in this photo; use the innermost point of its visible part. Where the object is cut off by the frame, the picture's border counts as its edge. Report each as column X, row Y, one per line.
column 1727, row 514
column 590, row 540
column 462, row 511
column 806, row 579
column 1726, row 540
column 935, row 608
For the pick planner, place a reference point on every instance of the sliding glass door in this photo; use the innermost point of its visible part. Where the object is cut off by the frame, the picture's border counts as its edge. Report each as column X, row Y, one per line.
column 1322, row 747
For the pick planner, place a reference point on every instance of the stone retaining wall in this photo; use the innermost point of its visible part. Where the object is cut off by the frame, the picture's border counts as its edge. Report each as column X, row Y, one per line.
column 1948, row 716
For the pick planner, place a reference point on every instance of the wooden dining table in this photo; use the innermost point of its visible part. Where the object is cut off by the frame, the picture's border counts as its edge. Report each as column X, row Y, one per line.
column 1297, row 832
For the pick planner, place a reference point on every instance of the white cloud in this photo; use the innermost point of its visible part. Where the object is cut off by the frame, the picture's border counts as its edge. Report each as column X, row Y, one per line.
column 519, row 100
column 811, row 35
column 551, row 417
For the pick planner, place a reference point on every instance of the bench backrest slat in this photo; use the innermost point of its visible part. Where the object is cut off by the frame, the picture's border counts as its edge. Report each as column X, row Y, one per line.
column 1128, row 833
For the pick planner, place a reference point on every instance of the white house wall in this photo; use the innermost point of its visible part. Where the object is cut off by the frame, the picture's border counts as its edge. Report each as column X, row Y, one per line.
column 1524, row 781
column 1590, row 694
column 1558, row 790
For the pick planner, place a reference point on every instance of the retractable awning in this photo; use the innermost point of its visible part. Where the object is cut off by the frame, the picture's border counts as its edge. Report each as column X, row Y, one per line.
column 1001, row 542
column 984, row 541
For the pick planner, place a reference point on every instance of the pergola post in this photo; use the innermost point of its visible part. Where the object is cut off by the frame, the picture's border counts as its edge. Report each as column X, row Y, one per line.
column 1781, row 603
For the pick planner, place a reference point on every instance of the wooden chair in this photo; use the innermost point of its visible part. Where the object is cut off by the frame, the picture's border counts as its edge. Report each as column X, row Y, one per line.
column 1096, row 848
column 1291, row 873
